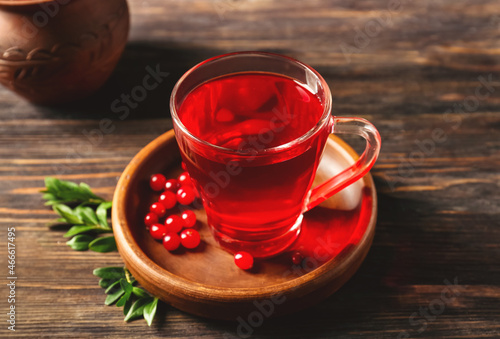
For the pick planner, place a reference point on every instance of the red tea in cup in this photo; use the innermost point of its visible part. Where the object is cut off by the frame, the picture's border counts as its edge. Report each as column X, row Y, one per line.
column 251, row 129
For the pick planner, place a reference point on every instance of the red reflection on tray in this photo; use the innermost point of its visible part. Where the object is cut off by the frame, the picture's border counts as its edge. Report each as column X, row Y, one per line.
column 327, row 232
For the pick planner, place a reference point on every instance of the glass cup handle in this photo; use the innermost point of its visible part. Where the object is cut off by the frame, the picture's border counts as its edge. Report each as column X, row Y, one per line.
column 351, row 174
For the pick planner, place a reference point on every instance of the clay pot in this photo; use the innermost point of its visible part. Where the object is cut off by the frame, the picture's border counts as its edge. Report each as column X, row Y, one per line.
column 55, row 51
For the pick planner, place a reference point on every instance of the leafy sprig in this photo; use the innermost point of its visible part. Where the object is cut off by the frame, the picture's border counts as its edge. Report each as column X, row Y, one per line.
column 88, row 220
column 64, row 192
column 120, row 290
column 87, row 224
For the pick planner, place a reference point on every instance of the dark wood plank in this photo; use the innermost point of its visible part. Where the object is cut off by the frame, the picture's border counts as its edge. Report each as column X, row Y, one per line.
column 439, row 214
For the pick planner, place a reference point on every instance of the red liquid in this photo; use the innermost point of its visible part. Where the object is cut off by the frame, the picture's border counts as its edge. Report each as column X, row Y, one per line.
column 252, row 197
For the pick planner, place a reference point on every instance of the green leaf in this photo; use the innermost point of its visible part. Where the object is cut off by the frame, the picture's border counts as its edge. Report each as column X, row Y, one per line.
column 137, row 308
column 55, row 186
column 126, row 307
column 60, row 191
column 57, row 222
column 84, row 217
column 149, row 311
column 139, row 292
column 68, row 214
column 78, row 229
column 105, row 283
column 93, row 199
column 123, row 300
column 102, row 213
column 113, row 287
column 103, row 245
column 127, row 287
column 124, row 284
column 86, row 190
column 57, row 190
column 111, row 298
column 86, row 214
column 58, row 184
column 110, row 272
column 48, row 196
column 80, row 242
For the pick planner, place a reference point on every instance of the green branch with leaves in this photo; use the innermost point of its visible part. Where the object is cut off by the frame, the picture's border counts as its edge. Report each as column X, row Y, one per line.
column 87, row 214
column 120, row 289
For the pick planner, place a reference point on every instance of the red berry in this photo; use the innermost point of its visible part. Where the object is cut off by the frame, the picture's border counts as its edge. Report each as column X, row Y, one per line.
column 157, row 182
column 168, row 199
column 185, row 195
column 150, row 219
column 297, row 258
column 189, row 218
column 171, row 241
column 157, row 231
column 174, row 224
column 158, row 209
column 243, row 260
column 183, row 165
column 172, row 185
column 184, row 179
column 190, row 238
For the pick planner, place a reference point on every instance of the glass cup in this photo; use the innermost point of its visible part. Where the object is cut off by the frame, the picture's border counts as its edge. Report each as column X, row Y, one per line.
column 255, row 196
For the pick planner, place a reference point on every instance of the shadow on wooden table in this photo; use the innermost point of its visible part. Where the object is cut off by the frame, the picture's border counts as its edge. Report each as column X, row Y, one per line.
column 139, row 60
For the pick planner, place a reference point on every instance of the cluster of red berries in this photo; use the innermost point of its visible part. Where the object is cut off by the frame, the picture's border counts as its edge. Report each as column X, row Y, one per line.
column 182, row 191
column 175, row 191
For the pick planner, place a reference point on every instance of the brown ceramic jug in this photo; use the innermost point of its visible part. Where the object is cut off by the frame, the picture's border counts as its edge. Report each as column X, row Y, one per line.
column 55, row 51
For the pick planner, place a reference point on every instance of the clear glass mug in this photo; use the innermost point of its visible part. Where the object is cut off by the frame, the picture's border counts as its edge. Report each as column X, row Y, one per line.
column 255, row 197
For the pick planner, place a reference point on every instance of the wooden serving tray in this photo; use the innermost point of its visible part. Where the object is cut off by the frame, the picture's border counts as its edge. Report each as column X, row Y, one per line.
column 206, row 282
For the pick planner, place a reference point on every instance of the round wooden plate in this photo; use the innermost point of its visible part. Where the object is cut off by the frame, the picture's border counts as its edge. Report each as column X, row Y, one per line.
column 206, row 282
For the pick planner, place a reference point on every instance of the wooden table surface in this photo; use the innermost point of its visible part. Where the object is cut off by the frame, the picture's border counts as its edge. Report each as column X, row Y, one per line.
column 427, row 75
